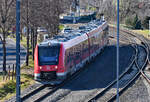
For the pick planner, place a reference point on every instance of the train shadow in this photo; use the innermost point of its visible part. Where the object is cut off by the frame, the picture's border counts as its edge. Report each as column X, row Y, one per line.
column 102, row 70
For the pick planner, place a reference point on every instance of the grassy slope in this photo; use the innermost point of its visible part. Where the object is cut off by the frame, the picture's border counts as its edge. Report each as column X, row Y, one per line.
column 145, row 33
column 8, row 88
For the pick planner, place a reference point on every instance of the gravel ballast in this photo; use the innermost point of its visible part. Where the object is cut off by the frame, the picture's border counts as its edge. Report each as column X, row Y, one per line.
column 138, row 92
column 96, row 77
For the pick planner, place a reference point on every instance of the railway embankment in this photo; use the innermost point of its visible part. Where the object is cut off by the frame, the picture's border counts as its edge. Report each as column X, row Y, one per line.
column 77, row 90
column 139, row 90
column 8, row 82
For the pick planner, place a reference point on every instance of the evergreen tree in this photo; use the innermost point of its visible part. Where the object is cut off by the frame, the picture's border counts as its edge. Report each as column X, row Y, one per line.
column 145, row 23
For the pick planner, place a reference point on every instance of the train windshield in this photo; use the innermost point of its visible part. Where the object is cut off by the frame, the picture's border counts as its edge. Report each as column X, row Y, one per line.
column 48, row 55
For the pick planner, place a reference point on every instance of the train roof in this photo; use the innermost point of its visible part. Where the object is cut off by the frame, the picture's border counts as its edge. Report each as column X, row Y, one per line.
column 74, row 33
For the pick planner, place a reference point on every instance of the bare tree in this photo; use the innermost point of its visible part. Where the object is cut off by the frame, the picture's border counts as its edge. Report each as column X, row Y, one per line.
column 7, row 18
column 29, row 19
column 51, row 11
column 40, row 14
column 25, row 21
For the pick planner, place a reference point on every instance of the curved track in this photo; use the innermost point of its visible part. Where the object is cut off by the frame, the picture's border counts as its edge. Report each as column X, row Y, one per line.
column 43, row 91
column 136, row 68
column 146, row 46
column 125, row 78
column 36, row 99
column 142, row 58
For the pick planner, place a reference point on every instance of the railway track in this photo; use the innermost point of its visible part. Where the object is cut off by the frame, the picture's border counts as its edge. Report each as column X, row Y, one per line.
column 144, row 72
column 128, row 77
column 135, row 69
column 44, row 91
column 145, row 43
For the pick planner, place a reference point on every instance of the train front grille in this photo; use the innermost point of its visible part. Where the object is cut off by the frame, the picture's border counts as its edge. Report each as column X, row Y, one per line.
column 48, row 75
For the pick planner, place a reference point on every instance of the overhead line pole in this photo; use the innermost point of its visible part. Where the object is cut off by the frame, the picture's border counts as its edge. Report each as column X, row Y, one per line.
column 149, row 29
column 117, row 50
column 18, row 99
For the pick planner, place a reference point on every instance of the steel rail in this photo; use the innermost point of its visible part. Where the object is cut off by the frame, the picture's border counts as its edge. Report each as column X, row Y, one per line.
column 54, row 88
column 141, row 70
column 101, row 93
column 131, row 80
column 104, row 90
column 145, row 44
column 33, row 92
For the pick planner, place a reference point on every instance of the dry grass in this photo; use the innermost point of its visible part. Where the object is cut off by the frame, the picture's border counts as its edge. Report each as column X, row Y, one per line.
column 145, row 33
column 8, row 87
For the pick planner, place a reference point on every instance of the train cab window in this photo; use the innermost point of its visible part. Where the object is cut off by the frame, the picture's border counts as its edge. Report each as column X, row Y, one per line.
column 48, row 55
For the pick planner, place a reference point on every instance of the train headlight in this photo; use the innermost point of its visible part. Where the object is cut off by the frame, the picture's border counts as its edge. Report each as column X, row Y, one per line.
column 56, row 67
column 40, row 67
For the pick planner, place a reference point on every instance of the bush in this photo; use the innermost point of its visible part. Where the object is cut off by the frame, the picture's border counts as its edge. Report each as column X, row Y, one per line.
column 133, row 22
column 61, row 27
column 145, row 23
column 128, row 22
column 9, row 87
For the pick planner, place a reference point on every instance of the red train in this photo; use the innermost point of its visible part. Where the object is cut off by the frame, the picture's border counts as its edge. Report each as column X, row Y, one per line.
column 63, row 55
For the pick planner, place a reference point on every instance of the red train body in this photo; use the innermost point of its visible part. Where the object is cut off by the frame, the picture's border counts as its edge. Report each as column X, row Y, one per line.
column 55, row 59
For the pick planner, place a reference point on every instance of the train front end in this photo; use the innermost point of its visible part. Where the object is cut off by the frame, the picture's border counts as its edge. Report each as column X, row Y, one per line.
column 48, row 63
